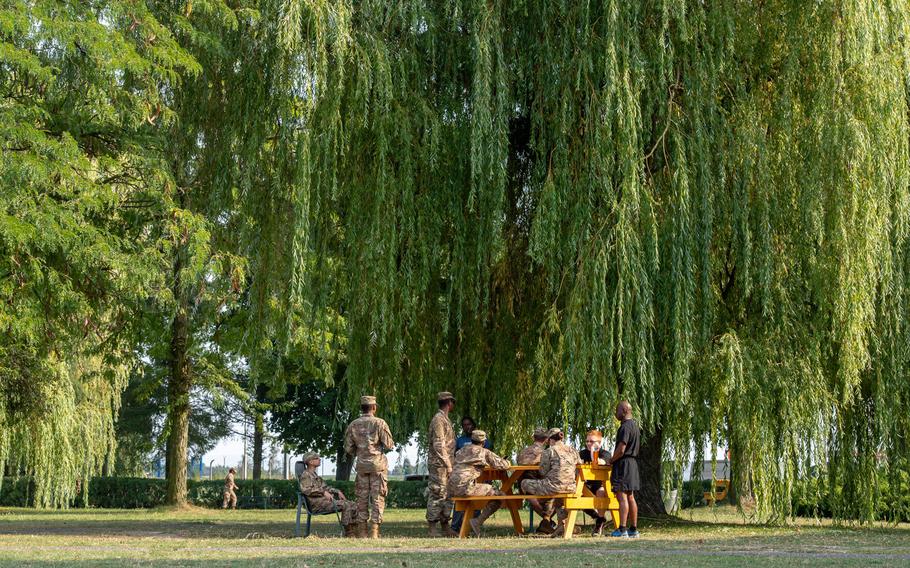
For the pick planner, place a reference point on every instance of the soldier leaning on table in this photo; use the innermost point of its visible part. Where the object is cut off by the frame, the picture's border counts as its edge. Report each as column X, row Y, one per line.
column 557, row 471
column 530, row 455
column 470, row 462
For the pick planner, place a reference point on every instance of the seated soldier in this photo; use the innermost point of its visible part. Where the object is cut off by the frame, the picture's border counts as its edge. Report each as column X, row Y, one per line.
column 324, row 499
column 530, row 455
column 467, row 427
column 594, row 453
column 557, row 472
column 469, row 464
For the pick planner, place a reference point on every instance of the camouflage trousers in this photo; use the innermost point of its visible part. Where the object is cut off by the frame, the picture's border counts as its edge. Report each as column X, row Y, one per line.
column 545, row 504
column 230, row 500
column 371, row 489
column 348, row 509
column 481, row 490
column 439, row 507
column 544, row 487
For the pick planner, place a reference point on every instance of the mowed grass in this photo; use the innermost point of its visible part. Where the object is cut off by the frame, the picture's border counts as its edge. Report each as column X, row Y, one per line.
column 205, row 537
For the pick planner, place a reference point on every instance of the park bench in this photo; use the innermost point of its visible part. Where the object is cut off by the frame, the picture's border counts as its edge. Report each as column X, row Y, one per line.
column 578, row 500
column 720, row 491
column 304, row 504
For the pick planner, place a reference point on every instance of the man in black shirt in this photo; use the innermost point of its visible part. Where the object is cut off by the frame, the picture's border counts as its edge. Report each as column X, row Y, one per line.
column 624, row 477
column 594, row 453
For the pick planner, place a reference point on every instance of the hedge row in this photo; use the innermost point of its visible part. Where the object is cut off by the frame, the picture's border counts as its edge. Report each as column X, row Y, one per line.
column 140, row 493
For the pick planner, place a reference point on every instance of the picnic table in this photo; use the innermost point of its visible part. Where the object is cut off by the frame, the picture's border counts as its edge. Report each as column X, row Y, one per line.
column 580, row 499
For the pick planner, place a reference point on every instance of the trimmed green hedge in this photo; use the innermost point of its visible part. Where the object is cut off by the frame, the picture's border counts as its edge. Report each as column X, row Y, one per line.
column 140, row 493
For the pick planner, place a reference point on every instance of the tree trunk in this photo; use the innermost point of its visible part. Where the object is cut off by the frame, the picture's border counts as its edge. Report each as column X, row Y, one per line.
column 649, row 499
column 343, row 464
column 178, row 395
column 258, row 437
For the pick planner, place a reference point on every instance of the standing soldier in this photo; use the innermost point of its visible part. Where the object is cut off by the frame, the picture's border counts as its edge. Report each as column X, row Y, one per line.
column 530, row 455
column 557, row 472
column 469, row 464
column 439, row 465
column 324, row 499
column 229, row 486
column 367, row 438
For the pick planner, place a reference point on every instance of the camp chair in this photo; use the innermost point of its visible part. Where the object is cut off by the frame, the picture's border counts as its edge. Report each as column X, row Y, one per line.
column 303, row 503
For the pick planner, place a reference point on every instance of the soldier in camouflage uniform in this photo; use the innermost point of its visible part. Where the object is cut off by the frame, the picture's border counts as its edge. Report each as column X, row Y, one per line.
column 440, row 454
column 470, row 462
column 557, row 472
column 368, row 438
column 230, row 498
column 324, row 499
column 530, row 455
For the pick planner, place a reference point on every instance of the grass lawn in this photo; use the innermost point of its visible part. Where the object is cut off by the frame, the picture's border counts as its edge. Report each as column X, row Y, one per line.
column 205, row 537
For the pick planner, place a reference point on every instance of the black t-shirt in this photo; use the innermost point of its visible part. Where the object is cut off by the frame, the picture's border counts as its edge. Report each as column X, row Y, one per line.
column 630, row 434
column 585, row 455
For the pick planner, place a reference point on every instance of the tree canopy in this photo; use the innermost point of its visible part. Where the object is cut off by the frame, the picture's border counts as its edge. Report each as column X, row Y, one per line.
column 540, row 206
column 698, row 206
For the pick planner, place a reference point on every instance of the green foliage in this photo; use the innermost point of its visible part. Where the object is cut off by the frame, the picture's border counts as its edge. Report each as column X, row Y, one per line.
column 83, row 87
column 701, row 207
column 141, row 493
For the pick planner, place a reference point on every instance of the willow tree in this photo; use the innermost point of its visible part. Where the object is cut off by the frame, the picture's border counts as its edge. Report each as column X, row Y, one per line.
column 81, row 89
column 702, row 207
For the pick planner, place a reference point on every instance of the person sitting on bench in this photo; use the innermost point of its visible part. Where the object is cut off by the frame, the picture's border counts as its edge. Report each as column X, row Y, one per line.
column 530, row 455
column 595, row 454
column 470, row 462
column 323, row 499
column 557, row 472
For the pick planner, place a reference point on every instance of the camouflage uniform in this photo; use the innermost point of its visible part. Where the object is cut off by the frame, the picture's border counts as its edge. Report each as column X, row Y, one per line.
column 366, row 438
column 314, row 489
column 557, row 472
column 439, row 464
column 470, row 462
column 530, row 455
column 230, row 498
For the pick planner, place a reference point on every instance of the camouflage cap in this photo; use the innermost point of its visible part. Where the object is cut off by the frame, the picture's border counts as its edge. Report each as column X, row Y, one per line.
column 367, row 400
column 309, row 456
column 541, row 433
column 478, row 436
column 444, row 395
column 553, row 432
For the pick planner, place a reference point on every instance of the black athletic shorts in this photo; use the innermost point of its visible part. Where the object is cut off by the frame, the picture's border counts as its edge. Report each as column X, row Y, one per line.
column 625, row 475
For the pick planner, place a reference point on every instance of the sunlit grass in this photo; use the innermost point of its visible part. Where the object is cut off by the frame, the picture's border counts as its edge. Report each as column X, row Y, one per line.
column 705, row 537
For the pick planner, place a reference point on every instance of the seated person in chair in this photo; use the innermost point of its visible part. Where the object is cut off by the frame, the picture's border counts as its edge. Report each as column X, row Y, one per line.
column 324, row 499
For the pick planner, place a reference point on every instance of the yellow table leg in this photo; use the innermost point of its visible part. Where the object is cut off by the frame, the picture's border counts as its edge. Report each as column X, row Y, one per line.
column 570, row 523
column 615, row 514
column 516, row 516
column 466, row 520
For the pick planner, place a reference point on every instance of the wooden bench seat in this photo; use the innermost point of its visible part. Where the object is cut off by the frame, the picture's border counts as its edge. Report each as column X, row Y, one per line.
column 460, row 502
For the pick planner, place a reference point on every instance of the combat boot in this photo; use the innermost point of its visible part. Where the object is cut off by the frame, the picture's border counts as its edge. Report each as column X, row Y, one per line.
column 447, row 530
column 545, row 526
column 360, row 531
column 374, row 530
column 350, row 530
column 433, row 529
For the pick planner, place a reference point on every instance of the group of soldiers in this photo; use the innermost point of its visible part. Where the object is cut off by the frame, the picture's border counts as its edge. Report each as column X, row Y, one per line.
column 455, row 473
